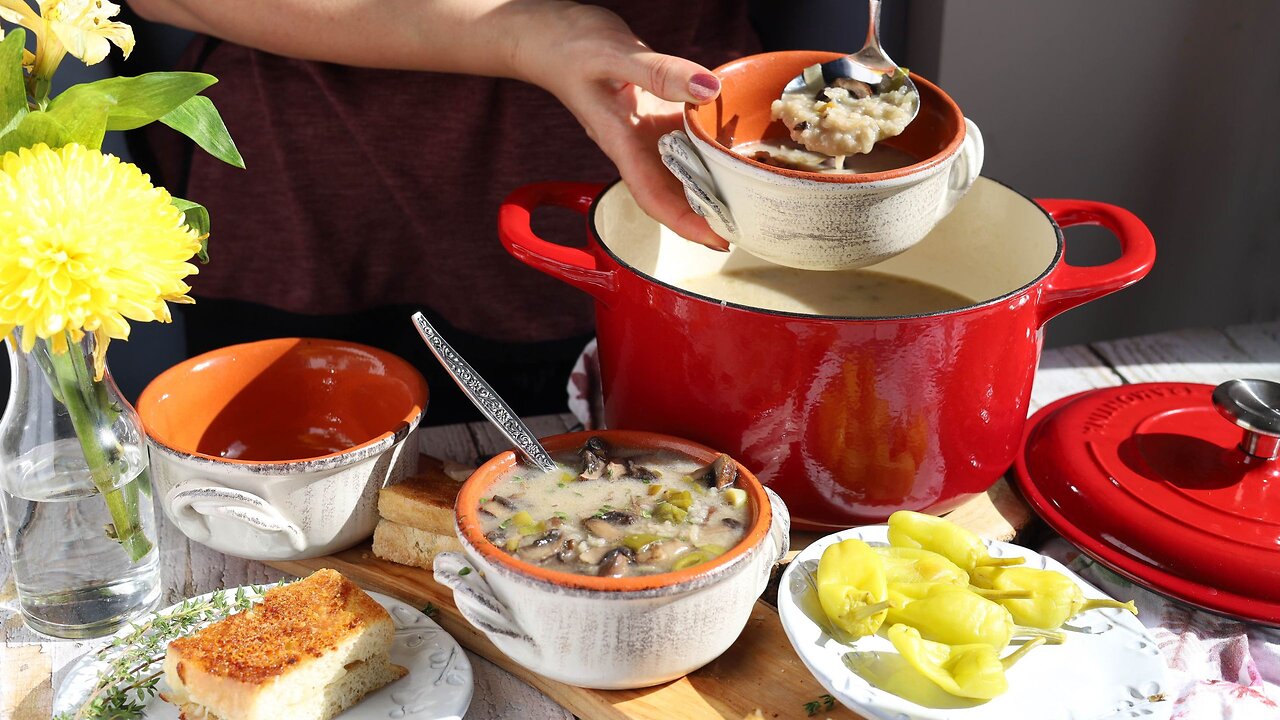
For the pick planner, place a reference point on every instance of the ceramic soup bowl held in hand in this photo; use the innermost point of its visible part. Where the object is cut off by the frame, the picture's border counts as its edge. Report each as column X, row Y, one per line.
column 817, row 220
column 625, row 631
column 276, row 450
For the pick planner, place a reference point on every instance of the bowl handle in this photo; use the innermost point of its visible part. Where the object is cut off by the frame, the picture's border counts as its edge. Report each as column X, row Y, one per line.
column 780, row 532
column 1071, row 285
column 569, row 265
column 475, row 599
column 681, row 158
column 965, row 170
column 192, row 501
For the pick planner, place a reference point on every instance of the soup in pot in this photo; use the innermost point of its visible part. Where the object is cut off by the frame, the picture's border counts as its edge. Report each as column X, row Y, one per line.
column 611, row 512
column 844, row 293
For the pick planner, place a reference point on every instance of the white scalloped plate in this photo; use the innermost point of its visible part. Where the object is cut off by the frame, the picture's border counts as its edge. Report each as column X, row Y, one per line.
column 438, row 686
column 1110, row 669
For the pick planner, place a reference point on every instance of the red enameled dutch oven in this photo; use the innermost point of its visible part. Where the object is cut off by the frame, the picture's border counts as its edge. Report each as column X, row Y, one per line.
column 847, row 418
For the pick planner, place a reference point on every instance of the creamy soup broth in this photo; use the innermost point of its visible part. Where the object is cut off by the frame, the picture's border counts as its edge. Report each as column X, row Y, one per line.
column 612, row 512
column 847, row 293
column 787, row 154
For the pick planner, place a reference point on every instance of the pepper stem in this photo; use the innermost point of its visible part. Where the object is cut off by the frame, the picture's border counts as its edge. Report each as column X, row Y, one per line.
column 1017, row 655
column 1107, row 603
column 1052, row 637
column 867, row 611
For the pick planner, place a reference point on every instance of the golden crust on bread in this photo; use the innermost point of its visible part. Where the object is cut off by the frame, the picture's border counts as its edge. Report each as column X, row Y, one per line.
column 292, row 624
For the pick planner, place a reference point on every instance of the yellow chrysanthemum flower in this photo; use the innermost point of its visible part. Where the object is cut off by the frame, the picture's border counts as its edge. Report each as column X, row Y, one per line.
column 86, row 244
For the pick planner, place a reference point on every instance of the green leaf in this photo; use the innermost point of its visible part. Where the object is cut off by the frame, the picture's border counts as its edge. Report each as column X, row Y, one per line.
column 199, row 120
column 131, row 102
column 197, row 218
column 13, row 93
column 34, row 128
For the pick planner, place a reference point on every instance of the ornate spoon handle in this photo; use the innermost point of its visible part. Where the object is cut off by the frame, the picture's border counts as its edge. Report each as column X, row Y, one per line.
column 480, row 393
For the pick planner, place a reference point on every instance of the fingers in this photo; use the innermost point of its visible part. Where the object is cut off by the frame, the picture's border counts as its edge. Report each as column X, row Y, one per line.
column 669, row 77
column 661, row 196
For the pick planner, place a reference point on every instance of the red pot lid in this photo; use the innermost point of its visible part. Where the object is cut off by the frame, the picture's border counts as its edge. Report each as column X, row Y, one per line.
column 1151, row 481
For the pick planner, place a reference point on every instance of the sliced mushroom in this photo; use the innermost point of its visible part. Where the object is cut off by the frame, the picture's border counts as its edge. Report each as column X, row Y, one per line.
column 657, row 552
column 593, row 553
column 615, row 470
column 502, row 501
column 542, row 547
column 593, row 466
column 602, row 528
column 568, row 550
column 497, row 537
column 731, row 523
column 615, row 562
column 640, row 472
column 617, row 517
column 597, row 446
column 856, row 88
column 720, row 474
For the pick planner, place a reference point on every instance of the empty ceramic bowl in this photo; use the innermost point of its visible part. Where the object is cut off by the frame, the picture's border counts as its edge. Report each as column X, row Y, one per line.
column 276, row 449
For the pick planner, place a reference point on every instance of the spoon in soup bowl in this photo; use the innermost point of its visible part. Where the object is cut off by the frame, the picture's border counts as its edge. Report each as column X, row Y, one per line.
column 480, row 393
column 870, row 65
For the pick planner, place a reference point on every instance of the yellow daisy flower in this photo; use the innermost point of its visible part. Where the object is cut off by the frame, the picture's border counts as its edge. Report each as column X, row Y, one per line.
column 86, row 244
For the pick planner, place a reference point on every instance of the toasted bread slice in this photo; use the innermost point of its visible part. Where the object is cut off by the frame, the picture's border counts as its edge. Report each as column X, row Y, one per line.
column 423, row 501
column 411, row 546
column 308, row 651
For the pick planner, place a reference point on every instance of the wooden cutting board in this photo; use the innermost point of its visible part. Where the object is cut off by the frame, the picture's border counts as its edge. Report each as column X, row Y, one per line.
column 759, row 671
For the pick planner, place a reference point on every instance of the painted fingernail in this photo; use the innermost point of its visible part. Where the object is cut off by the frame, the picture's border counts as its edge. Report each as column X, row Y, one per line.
column 704, row 86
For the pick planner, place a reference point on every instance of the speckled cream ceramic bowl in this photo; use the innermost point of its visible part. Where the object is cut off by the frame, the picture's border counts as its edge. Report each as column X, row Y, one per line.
column 816, row 221
column 605, row 632
column 276, row 450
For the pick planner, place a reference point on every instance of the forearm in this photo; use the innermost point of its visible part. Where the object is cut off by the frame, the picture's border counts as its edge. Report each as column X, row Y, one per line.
column 481, row 37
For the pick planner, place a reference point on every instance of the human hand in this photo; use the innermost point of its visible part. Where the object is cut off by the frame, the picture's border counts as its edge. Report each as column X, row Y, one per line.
column 625, row 96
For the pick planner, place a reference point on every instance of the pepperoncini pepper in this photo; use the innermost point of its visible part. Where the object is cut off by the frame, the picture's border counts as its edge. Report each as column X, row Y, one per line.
column 851, row 587
column 1055, row 598
column 953, row 615
column 910, row 571
column 909, row 529
column 972, row 671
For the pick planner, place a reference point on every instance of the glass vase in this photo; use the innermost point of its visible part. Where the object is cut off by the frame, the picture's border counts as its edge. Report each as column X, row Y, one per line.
column 80, row 528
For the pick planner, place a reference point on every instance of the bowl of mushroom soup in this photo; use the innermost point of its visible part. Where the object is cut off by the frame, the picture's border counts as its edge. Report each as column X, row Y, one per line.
column 635, row 562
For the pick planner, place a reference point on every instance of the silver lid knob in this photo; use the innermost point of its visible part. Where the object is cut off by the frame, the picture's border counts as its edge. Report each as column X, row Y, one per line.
column 1255, row 406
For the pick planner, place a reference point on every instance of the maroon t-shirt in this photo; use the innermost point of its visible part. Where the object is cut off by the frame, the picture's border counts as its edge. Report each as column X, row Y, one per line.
column 367, row 188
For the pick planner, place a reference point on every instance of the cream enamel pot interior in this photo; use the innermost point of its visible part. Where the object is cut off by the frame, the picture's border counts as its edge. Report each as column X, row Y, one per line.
column 605, row 632
column 847, row 418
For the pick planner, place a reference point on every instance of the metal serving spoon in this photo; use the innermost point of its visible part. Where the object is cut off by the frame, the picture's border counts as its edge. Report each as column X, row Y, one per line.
column 870, row 65
column 479, row 392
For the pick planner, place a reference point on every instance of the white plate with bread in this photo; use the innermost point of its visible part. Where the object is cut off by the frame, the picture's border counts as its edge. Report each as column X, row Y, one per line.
column 315, row 649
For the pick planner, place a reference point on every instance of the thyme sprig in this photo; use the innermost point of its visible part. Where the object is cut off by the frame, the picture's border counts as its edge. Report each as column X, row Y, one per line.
column 130, row 677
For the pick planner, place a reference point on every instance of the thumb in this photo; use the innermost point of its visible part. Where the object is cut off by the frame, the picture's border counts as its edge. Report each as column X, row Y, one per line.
column 670, row 78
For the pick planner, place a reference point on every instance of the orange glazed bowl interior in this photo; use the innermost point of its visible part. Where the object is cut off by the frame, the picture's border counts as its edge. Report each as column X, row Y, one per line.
column 749, row 85
column 282, row 400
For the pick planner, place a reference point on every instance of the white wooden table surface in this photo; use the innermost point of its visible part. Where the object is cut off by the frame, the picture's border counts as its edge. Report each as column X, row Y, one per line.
column 31, row 665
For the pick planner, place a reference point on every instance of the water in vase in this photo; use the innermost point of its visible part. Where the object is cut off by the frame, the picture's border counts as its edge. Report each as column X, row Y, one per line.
column 71, row 580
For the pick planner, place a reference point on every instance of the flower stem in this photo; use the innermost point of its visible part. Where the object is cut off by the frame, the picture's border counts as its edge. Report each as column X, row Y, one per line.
column 80, row 398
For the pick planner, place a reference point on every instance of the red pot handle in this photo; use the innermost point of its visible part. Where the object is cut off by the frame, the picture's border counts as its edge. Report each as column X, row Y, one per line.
column 571, row 265
column 1072, row 285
